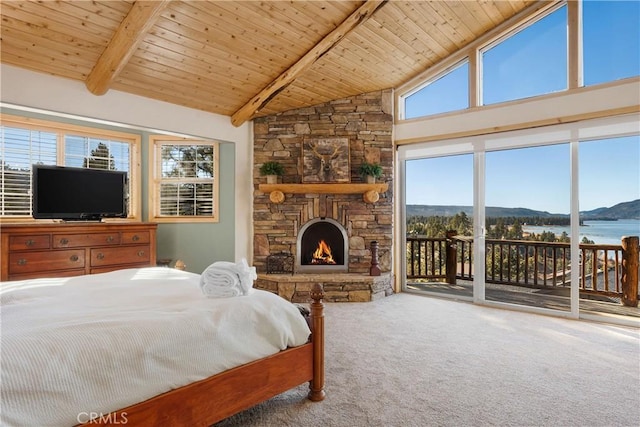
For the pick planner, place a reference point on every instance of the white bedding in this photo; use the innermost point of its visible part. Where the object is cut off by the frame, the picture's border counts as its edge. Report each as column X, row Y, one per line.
column 73, row 346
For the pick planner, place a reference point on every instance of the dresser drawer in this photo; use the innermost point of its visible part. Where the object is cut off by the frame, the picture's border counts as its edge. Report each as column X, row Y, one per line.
column 135, row 237
column 120, row 255
column 74, row 248
column 28, row 242
column 80, row 240
column 29, row 262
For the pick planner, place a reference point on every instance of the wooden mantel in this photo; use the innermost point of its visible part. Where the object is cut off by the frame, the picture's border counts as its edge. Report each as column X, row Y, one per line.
column 370, row 192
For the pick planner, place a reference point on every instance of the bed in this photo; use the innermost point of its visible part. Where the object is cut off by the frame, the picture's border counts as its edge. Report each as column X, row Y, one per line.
column 145, row 347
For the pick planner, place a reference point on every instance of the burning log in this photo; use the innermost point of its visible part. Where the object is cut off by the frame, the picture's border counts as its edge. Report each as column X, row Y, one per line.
column 322, row 255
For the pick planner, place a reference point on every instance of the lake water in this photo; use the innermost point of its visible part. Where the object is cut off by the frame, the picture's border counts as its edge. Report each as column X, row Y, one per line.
column 602, row 232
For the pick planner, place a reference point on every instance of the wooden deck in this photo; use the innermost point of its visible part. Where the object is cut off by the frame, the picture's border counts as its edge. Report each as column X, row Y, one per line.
column 556, row 298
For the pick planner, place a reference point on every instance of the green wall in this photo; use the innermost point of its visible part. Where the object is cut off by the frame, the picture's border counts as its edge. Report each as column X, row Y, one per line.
column 200, row 244
column 197, row 244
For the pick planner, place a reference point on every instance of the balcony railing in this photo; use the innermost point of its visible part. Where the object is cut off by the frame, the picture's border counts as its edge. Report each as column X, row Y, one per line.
column 610, row 270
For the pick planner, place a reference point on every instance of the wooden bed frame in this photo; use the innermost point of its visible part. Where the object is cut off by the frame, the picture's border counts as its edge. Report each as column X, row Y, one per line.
column 213, row 399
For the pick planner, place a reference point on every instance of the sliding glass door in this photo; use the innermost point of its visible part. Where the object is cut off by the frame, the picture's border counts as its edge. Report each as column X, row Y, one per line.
column 550, row 208
column 528, row 256
column 609, row 220
column 439, row 212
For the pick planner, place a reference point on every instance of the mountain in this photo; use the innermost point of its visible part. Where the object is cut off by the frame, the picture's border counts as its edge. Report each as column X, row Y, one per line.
column 625, row 210
column 491, row 211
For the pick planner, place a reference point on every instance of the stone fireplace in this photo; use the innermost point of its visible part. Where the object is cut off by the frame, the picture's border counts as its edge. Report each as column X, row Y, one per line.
column 308, row 208
column 322, row 247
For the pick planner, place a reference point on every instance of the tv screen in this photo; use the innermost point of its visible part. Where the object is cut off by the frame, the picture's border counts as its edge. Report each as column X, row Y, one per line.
column 78, row 194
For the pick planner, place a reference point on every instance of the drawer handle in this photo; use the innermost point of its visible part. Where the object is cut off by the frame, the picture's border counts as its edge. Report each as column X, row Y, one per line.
column 30, row 242
column 74, row 258
column 135, row 238
column 22, row 261
column 109, row 239
column 64, row 241
column 100, row 255
column 140, row 253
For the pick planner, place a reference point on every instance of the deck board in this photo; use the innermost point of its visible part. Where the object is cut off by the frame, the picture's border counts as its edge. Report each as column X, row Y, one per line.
column 551, row 298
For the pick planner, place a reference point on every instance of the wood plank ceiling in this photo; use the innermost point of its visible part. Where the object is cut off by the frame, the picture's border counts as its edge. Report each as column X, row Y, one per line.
column 242, row 59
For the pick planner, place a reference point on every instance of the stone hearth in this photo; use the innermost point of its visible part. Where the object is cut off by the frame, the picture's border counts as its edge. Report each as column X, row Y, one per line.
column 338, row 287
column 363, row 125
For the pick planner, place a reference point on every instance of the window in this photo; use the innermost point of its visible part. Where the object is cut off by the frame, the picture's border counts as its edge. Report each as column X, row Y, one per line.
column 533, row 59
column 609, row 175
column 449, row 92
column 96, row 153
column 24, row 142
column 611, row 40
column 531, row 62
column 185, row 180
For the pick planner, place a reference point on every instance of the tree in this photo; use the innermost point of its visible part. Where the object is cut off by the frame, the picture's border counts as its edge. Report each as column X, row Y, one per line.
column 498, row 231
column 547, row 236
column 461, row 223
column 515, row 231
column 100, row 158
column 187, row 163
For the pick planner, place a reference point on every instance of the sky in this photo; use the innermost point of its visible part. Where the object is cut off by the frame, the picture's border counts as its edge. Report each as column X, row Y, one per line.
column 533, row 63
column 536, row 178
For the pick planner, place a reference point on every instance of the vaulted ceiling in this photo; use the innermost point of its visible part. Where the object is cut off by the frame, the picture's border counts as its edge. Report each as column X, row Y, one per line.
column 242, row 58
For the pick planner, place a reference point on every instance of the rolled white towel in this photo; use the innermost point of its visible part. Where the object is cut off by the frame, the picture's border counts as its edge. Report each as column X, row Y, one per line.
column 228, row 275
column 220, row 279
column 221, row 275
column 212, row 290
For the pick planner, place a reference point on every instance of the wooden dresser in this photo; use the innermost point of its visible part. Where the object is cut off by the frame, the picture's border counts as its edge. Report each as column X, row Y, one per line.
column 71, row 249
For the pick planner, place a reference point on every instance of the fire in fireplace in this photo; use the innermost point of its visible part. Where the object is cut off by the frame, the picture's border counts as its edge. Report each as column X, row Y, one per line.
column 322, row 247
column 322, row 254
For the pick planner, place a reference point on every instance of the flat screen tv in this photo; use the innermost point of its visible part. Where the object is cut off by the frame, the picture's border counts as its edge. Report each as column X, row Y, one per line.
column 78, row 194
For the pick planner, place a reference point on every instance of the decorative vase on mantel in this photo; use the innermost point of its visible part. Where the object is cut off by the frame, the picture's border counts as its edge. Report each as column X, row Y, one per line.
column 272, row 179
column 370, row 171
column 272, row 170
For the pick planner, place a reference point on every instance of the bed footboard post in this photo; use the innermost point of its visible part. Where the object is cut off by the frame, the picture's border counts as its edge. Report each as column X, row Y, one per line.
column 316, row 386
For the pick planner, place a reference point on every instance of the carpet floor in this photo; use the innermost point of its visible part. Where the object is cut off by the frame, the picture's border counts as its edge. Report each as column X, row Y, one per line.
column 409, row 360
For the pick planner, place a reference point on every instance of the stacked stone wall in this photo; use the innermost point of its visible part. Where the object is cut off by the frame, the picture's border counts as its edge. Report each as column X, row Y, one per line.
column 367, row 121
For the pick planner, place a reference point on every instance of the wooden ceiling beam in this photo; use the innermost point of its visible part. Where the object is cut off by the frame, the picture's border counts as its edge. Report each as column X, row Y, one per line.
column 357, row 18
column 123, row 44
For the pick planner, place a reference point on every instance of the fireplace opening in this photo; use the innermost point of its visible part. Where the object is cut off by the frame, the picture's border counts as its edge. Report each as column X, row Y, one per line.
column 322, row 255
column 322, row 247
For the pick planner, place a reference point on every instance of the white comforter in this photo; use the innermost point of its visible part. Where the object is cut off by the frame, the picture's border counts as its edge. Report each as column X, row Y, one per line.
column 98, row 343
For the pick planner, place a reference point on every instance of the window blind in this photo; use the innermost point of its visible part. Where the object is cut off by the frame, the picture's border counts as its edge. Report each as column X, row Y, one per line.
column 19, row 149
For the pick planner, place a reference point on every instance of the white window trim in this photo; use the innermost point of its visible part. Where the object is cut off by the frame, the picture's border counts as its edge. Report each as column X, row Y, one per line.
column 590, row 102
column 155, row 141
column 61, row 129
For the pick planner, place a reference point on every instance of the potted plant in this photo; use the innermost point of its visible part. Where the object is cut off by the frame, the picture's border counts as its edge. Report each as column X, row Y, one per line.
column 370, row 171
column 272, row 170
